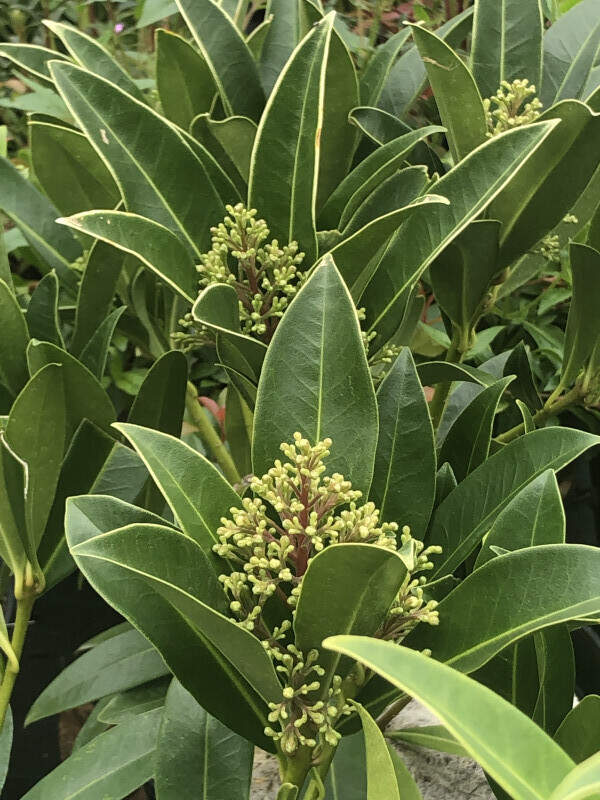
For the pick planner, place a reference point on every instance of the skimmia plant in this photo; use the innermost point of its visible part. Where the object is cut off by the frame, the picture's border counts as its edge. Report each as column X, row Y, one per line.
column 334, row 248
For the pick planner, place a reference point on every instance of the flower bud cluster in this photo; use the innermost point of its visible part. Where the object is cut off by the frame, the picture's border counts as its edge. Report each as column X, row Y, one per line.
column 265, row 276
column 509, row 111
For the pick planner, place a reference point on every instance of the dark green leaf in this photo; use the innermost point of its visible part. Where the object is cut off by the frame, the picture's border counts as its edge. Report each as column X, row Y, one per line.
column 381, row 776
column 579, row 733
column 42, row 312
column 432, row 372
column 31, row 57
column 134, row 702
column 160, row 401
column 375, row 74
column 435, row 737
column 13, row 342
column 583, row 332
column 523, row 387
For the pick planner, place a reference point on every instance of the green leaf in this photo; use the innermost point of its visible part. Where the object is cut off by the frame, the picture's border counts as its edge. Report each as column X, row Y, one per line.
column 367, row 175
column 538, row 589
column 31, row 57
column 289, row 25
column 160, row 402
column 375, row 74
column 6, row 739
column 156, row 246
column 35, row 216
column 164, row 579
column 550, row 182
column 13, row 533
column 120, row 663
column 406, row 784
column 583, row 783
column 579, row 733
column 315, row 380
column 39, row 441
column 128, row 135
column 523, row 388
column 134, row 702
column 507, row 43
column 582, row 332
column 13, row 343
column 508, row 745
column 381, row 776
column 42, row 313
column 84, row 396
column 197, row 755
column 462, row 274
column 94, row 354
column 432, row 372
column 238, row 428
column 284, row 167
column 467, row 443
column 92, row 55
column 403, row 485
column 468, row 512
column 556, row 667
column 184, row 81
column 347, row 776
column 469, row 187
column 230, row 141
column 113, row 764
column 195, row 490
column 96, row 292
column 434, row 737
column 68, row 169
column 534, row 516
column 233, row 68
column 358, row 606
column 455, row 91
column 570, row 47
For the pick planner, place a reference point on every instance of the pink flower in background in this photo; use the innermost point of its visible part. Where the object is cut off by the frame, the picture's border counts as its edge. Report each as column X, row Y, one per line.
column 119, row 27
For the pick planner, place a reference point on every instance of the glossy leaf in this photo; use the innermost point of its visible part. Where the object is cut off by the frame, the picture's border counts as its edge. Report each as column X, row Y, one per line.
column 35, row 216
column 507, row 43
column 347, row 776
column 468, row 512
column 358, row 606
column 455, row 91
column 95, row 353
column 238, row 429
column 127, row 135
column 31, row 57
column 381, row 776
column 230, row 141
column 92, row 55
column 132, row 703
column 195, row 490
column 556, row 668
column 508, row 745
column 579, row 733
column 13, row 343
column 432, row 372
column 523, row 387
column 375, row 74
column 184, row 81
column 467, row 443
column 115, row 763
column 284, row 167
column 434, row 737
column 233, row 68
column 154, row 245
column 582, row 333
column 42, row 313
column 315, row 380
column 534, row 516
column 539, row 592
column 160, row 402
column 583, row 783
column 196, row 754
column 403, row 485
column 469, row 187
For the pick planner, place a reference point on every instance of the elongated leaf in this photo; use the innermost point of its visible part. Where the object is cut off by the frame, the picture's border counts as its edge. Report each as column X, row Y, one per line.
column 13, row 528
column 197, row 664
column 507, row 43
column 230, row 141
column 469, row 511
column 403, row 485
column 238, row 429
column 367, row 175
column 556, row 668
column 550, row 182
column 569, row 52
column 13, row 342
column 35, row 216
column 406, row 784
column 115, row 763
column 122, row 662
column 128, row 135
column 69, row 170
column 95, row 353
column 583, row 783
column 347, row 776
column 233, row 68
column 160, row 402
column 435, row 737
column 508, row 745
column 375, row 74
column 467, row 443
column 31, row 57
column 196, row 754
column 284, row 168
column 432, row 372
column 6, row 739
column 455, row 91
column 469, row 187
column 462, row 274
column 579, row 733
column 359, row 606
column 523, row 388
column 134, row 702
column 381, row 776
column 92, row 55
column 582, row 333
column 155, row 246
column 84, row 396
column 195, row 490
column 315, row 380
column 184, row 81
column 538, row 582
column 42, row 312
column 534, row 516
